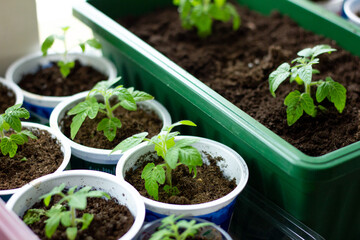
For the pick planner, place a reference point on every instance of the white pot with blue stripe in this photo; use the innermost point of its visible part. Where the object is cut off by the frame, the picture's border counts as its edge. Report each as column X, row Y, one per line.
column 218, row 211
column 42, row 106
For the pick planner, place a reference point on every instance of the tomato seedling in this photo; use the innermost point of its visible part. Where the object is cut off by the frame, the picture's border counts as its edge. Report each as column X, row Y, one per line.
column 202, row 13
column 127, row 98
column 173, row 153
column 64, row 211
column 302, row 73
column 65, row 65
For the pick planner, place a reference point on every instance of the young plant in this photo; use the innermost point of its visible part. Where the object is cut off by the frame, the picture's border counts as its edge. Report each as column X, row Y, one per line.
column 302, row 73
column 127, row 98
column 172, row 228
column 65, row 65
column 11, row 119
column 173, row 153
column 201, row 13
column 64, row 211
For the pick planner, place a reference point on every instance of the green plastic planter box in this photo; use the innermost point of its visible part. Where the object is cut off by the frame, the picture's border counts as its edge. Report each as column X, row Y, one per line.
column 323, row 192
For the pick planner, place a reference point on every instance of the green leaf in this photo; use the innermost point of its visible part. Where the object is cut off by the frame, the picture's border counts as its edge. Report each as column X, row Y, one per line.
column 65, row 29
column 190, row 156
column 28, row 133
column 56, row 190
column 17, row 139
column 336, row 93
column 278, row 76
column 87, row 219
column 98, row 194
column 307, row 52
column 49, row 41
column 8, row 146
column 218, row 13
column 89, row 108
column 126, row 99
column 140, row 96
column 172, row 156
column 152, row 188
column 320, row 49
column 219, row 3
column 33, row 215
column 82, row 46
column 71, row 233
column 182, row 122
column 234, row 14
column 305, row 73
column 94, row 43
column 52, row 224
column 78, row 201
column 109, row 127
column 65, row 68
column 201, row 20
column 153, row 175
column 130, row 142
column 146, row 173
column 296, row 103
column 66, row 219
column 104, row 85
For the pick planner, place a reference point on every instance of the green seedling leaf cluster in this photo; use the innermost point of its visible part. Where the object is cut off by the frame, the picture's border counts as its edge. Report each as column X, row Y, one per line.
column 202, row 13
column 174, row 228
column 65, row 65
column 64, row 211
column 173, row 153
column 11, row 119
column 90, row 107
column 302, row 73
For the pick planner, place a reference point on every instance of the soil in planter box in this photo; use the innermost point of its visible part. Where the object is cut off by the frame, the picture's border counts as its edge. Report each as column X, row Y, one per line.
column 111, row 220
column 209, row 184
column 43, row 156
column 48, row 81
column 7, row 98
column 133, row 122
column 237, row 66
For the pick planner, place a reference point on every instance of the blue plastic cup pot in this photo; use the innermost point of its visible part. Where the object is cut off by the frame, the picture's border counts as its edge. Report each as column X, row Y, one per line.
column 39, row 106
column 218, row 211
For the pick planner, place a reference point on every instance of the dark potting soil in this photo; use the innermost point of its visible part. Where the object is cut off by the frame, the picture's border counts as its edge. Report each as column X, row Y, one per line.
column 44, row 156
column 237, row 66
column 358, row 14
column 111, row 220
column 133, row 122
column 209, row 184
column 48, row 81
column 7, row 98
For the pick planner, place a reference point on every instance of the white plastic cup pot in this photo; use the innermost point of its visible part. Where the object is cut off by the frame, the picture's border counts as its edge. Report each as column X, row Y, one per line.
column 350, row 8
column 19, row 96
column 126, row 195
column 41, row 106
column 65, row 148
column 84, row 157
column 218, row 211
column 149, row 228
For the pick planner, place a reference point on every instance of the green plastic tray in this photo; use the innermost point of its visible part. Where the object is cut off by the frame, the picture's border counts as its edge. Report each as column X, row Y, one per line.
column 323, row 192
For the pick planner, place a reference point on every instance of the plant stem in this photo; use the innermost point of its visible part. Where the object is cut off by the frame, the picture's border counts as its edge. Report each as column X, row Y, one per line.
column 73, row 216
column 66, row 49
column 307, row 88
column 108, row 108
column 168, row 174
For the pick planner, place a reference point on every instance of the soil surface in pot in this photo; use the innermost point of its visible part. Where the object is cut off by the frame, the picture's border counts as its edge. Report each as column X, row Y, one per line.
column 209, row 184
column 7, row 98
column 111, row 220
column 133, row 122
column 48, row 81
column 43, row 156
column 237, row 66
